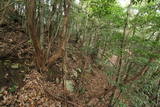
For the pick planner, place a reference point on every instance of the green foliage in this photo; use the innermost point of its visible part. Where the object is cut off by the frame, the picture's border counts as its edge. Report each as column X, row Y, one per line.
column 140, row 1
column 140, row 44
column 13, row 88
column 120, row 104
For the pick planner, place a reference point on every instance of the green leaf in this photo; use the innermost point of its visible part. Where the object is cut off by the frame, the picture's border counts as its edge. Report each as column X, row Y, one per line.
column 13, row 88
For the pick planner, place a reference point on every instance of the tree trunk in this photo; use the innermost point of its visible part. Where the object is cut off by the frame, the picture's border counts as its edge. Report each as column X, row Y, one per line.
column 33, row 31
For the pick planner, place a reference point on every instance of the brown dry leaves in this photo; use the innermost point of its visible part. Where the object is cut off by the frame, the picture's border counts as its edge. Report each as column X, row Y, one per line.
column 32, row 94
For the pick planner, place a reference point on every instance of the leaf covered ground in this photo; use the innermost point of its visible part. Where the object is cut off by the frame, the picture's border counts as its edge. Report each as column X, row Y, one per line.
column 23, row 86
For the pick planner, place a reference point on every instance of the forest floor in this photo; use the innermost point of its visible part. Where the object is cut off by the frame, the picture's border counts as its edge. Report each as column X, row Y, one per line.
column 22, row 86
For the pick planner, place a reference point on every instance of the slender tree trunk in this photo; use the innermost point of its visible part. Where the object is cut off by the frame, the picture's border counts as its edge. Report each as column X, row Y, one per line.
column 120, row 59
column 63, row 35
column 42, row 12
column 33, row 31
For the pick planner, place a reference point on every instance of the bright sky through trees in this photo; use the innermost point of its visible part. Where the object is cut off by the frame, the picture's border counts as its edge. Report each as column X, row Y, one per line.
column 124, row 3
column 77, row 1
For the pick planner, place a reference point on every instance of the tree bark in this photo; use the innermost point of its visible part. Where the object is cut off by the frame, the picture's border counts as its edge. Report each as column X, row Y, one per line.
column 64, row 40
column 33, row 31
